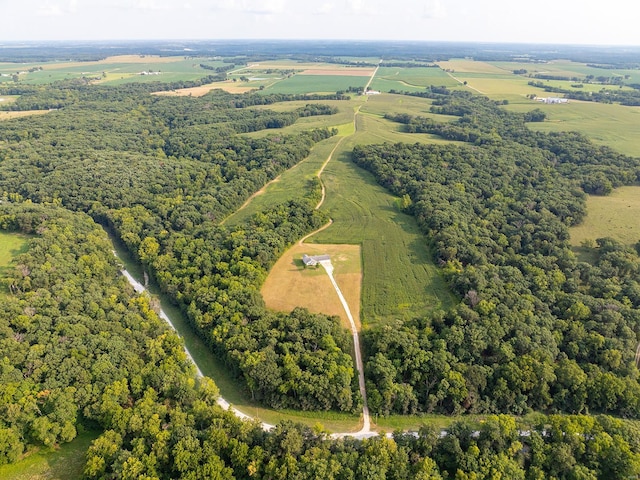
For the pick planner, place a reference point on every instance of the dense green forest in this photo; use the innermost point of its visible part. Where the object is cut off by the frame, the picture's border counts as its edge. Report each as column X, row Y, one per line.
column 162, row 172
column 537, row 328
column 81, row 350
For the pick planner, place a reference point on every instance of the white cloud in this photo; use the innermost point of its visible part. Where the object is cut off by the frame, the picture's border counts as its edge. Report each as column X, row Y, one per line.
column 259, row 7
column 324, row 8
column 434, row 9
column 357, row 6
column 57, row 9
column 153, row 5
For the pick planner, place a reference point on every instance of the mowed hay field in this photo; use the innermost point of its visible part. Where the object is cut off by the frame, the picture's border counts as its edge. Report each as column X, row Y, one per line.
column 299, row 84
column 227, row 86
column 20, row 114
column 114, row 70
column 614, row 216
column 290, row 285
column 11, row 245
column 608, row 124
column 400, row 279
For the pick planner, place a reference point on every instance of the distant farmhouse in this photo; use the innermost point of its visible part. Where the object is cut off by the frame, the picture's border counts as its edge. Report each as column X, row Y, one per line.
column 552, row 100
column 312, row 261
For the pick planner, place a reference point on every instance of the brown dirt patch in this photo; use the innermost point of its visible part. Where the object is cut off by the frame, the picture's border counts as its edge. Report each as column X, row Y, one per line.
column 290, row 285
column 230, row 87
column 343, row 72
column 25, row 113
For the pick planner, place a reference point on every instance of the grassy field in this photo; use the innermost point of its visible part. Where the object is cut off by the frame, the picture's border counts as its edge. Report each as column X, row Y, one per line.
column 11, row 245
column 20, row 114
column 63, row 463
column 113, row 70
column 608, row 124
column 290, row 284
column 399, row 278
column 298, row 84
column 410, row 79
column 613, row 216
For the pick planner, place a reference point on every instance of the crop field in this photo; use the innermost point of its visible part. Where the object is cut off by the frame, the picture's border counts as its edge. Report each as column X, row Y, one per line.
column 608, row 124
column 614, row 216
column 290, row 284
column 459, row 66
column 227, row 86
column 298, row 84
column 120, row 69
column 20, row 114
column 406, row 78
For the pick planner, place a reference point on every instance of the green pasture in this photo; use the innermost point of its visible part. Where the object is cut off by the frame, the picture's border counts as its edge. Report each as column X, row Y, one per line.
column 608, row 124
column 399, row 277
column 11, row 245
column 114, row 73
column 342, row 117
column 419, row 77
column 615, row 216
column 290, row 185
column 7, row 99
column 299, row 84
column 65, row 462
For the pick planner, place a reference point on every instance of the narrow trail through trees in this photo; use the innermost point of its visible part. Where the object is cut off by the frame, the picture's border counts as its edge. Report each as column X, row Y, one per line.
column 366, row 419
column 365, row 431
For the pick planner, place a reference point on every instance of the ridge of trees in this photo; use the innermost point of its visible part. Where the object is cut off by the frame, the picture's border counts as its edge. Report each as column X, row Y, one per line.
column 162, row 172
column 537, row 329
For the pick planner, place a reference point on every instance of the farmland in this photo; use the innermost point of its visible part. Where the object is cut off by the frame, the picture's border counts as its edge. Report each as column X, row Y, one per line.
column 112, row 70
column 615, row 215
column 453, row 255
column 310, row 287
column 11, row 245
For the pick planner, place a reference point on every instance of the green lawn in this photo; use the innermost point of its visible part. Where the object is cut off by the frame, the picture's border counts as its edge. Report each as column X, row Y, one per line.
column 299, row 84
column 609, row 124
column 399, row 277
column 615, row 216
column 63, row 463
column 11, row 244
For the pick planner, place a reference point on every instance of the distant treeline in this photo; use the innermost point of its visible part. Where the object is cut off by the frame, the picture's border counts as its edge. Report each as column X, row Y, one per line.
column 496, row 211
column 623, row 97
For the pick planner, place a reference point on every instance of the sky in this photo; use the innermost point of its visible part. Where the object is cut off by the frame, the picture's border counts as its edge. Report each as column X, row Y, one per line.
column 593, row 22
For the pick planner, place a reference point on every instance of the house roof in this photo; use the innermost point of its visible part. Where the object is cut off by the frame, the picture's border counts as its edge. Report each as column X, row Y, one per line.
column 314, row 259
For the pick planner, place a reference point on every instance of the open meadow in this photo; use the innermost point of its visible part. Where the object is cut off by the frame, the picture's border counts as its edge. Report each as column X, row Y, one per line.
column 382, row 260
column 11, row 245
column 615, row 216
column 290, row 284
column 112, row 70
column 62, row 462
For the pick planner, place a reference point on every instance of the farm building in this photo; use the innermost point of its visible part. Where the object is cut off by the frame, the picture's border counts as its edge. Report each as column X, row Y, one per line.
column 552, row 100
column 312, row 261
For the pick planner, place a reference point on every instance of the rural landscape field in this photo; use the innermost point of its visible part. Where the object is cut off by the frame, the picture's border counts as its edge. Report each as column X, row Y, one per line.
column 472, row 293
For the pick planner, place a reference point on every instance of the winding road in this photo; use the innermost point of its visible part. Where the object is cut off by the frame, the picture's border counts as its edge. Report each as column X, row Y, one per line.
column 365, row 431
